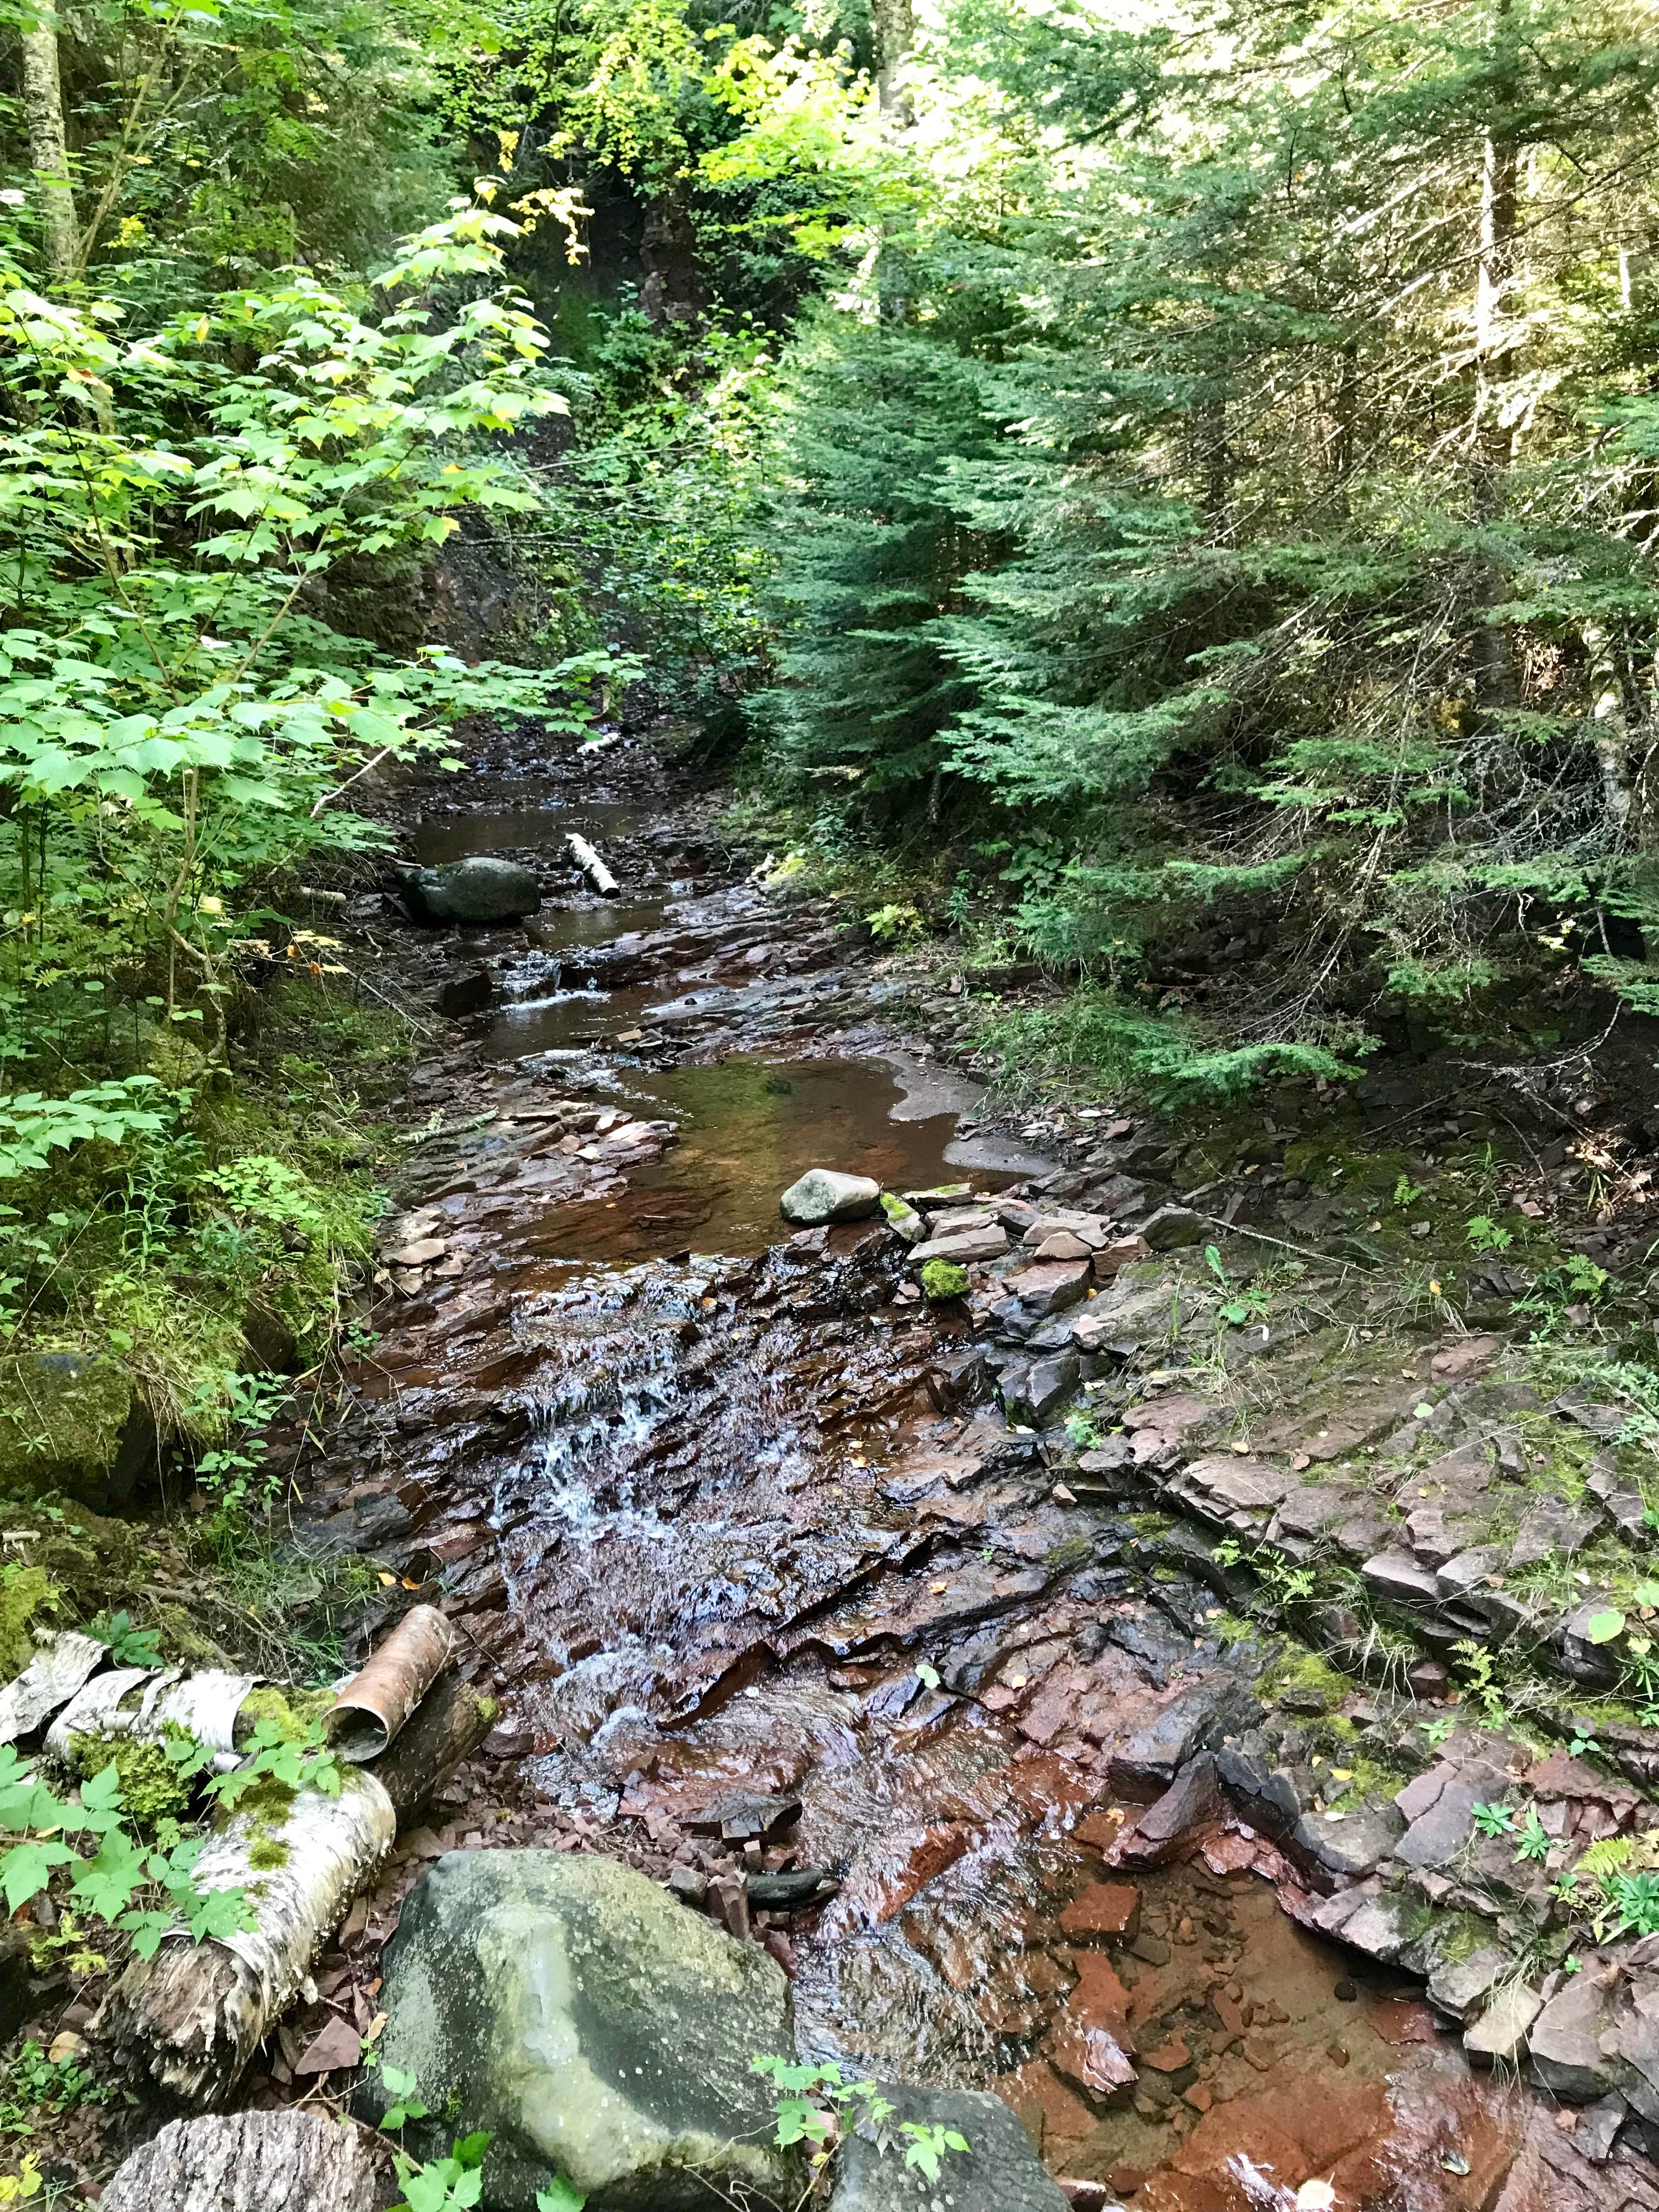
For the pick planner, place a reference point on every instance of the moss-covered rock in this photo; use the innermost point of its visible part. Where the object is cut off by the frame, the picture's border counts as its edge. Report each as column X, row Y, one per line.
column 24, row 1592
column 598, row 2030
column 74, row 1422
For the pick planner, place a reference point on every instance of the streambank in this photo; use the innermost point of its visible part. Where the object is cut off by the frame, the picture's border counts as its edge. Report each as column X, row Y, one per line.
column 1135, row 1686
column 780, row 1571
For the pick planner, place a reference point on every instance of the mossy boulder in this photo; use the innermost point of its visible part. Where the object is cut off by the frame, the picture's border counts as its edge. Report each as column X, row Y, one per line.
column 481, row 888
column 596, row 2028
column 74, row 1422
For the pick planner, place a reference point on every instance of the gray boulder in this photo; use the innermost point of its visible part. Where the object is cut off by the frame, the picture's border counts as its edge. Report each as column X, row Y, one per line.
column 1350, row 1845
column 822, row 1195
column 599, row 2031
column 1566, row 2039
column 1171, row 1227
column 998, row 2172
column 480, row 888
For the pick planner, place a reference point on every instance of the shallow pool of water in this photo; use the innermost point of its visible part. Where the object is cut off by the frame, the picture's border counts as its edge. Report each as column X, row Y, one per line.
column 749, row 1126
column 540, row 826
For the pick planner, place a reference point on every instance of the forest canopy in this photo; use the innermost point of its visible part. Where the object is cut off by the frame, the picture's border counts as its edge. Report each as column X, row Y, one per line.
column 1170, row 493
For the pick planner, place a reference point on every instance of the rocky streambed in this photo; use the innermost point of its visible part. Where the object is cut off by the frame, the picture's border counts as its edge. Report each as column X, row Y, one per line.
column 1059, row 1682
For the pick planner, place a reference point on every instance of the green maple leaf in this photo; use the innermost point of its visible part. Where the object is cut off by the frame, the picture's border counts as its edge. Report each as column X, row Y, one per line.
column 26, row 1868
column 105, row 1885
column 561, row 2197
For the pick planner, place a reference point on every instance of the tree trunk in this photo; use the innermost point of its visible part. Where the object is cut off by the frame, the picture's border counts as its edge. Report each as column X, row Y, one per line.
column 43, row 109
column 894, row 25
column 195, row 2014
column 1610, row 727
column 669, row 290
column 1497, row 680
column 1217, row 461
column 584, row 856
column 283, row 2161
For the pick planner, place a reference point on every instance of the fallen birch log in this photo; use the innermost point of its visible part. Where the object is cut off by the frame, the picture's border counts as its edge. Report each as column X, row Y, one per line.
column 591, row 865
column 282, row 2161
column 58, row 1671
column 194, row 2014
column 449, row 1725
column 145, row 1702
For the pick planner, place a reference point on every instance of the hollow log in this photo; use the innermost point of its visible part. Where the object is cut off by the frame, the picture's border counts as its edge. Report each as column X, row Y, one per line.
column 449, row 1725
column 283, row 2161
column 195, row 2014
column 379, row 1699
column 591, row 865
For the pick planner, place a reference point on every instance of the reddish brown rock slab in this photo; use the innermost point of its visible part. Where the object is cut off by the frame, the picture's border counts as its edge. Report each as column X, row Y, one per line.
column 1464, row 1359
column 1053, row 2116
column 1175, row 1415
column 1192, row 1803
column 1169, row 2057
column 1054, row 1708
column 1561, row 1776
column 1109, row 1909
column 1101, row 1830
column 1093, row 2058
column 1200, row 2097
column 1402, row 2020
column 1122, row 1253
column 1100, row 1999
column 1186, row 1980
column 914, row 1858
column 1241, row 2130
column 1047, row 1789
column 1339, row 1433
column 1230, row 1853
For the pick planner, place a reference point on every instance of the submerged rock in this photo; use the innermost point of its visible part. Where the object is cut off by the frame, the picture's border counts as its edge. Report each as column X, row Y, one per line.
column 595, row 2027
column 481, row 888
column 998, row 2172
column 822, row 1195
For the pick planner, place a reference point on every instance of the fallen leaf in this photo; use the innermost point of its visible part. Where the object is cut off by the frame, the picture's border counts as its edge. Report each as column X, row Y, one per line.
column 337, row 2044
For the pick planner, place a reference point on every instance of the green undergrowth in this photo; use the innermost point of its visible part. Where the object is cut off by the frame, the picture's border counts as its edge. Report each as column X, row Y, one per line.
column 1100, row 1043
column 194, row 1257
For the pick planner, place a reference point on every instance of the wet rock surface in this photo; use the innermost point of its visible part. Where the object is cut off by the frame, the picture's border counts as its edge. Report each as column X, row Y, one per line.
column 481, row 888
column 905, row 1639
column 599, row 2032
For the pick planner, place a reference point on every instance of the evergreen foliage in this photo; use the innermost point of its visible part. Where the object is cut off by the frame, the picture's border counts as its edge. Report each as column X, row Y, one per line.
column 1277, row 503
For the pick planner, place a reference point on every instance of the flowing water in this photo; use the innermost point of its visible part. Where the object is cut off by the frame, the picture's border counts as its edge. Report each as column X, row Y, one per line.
column 767, row 1592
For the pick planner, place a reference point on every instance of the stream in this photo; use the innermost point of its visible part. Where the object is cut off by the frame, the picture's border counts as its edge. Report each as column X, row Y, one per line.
column 766, row 1583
